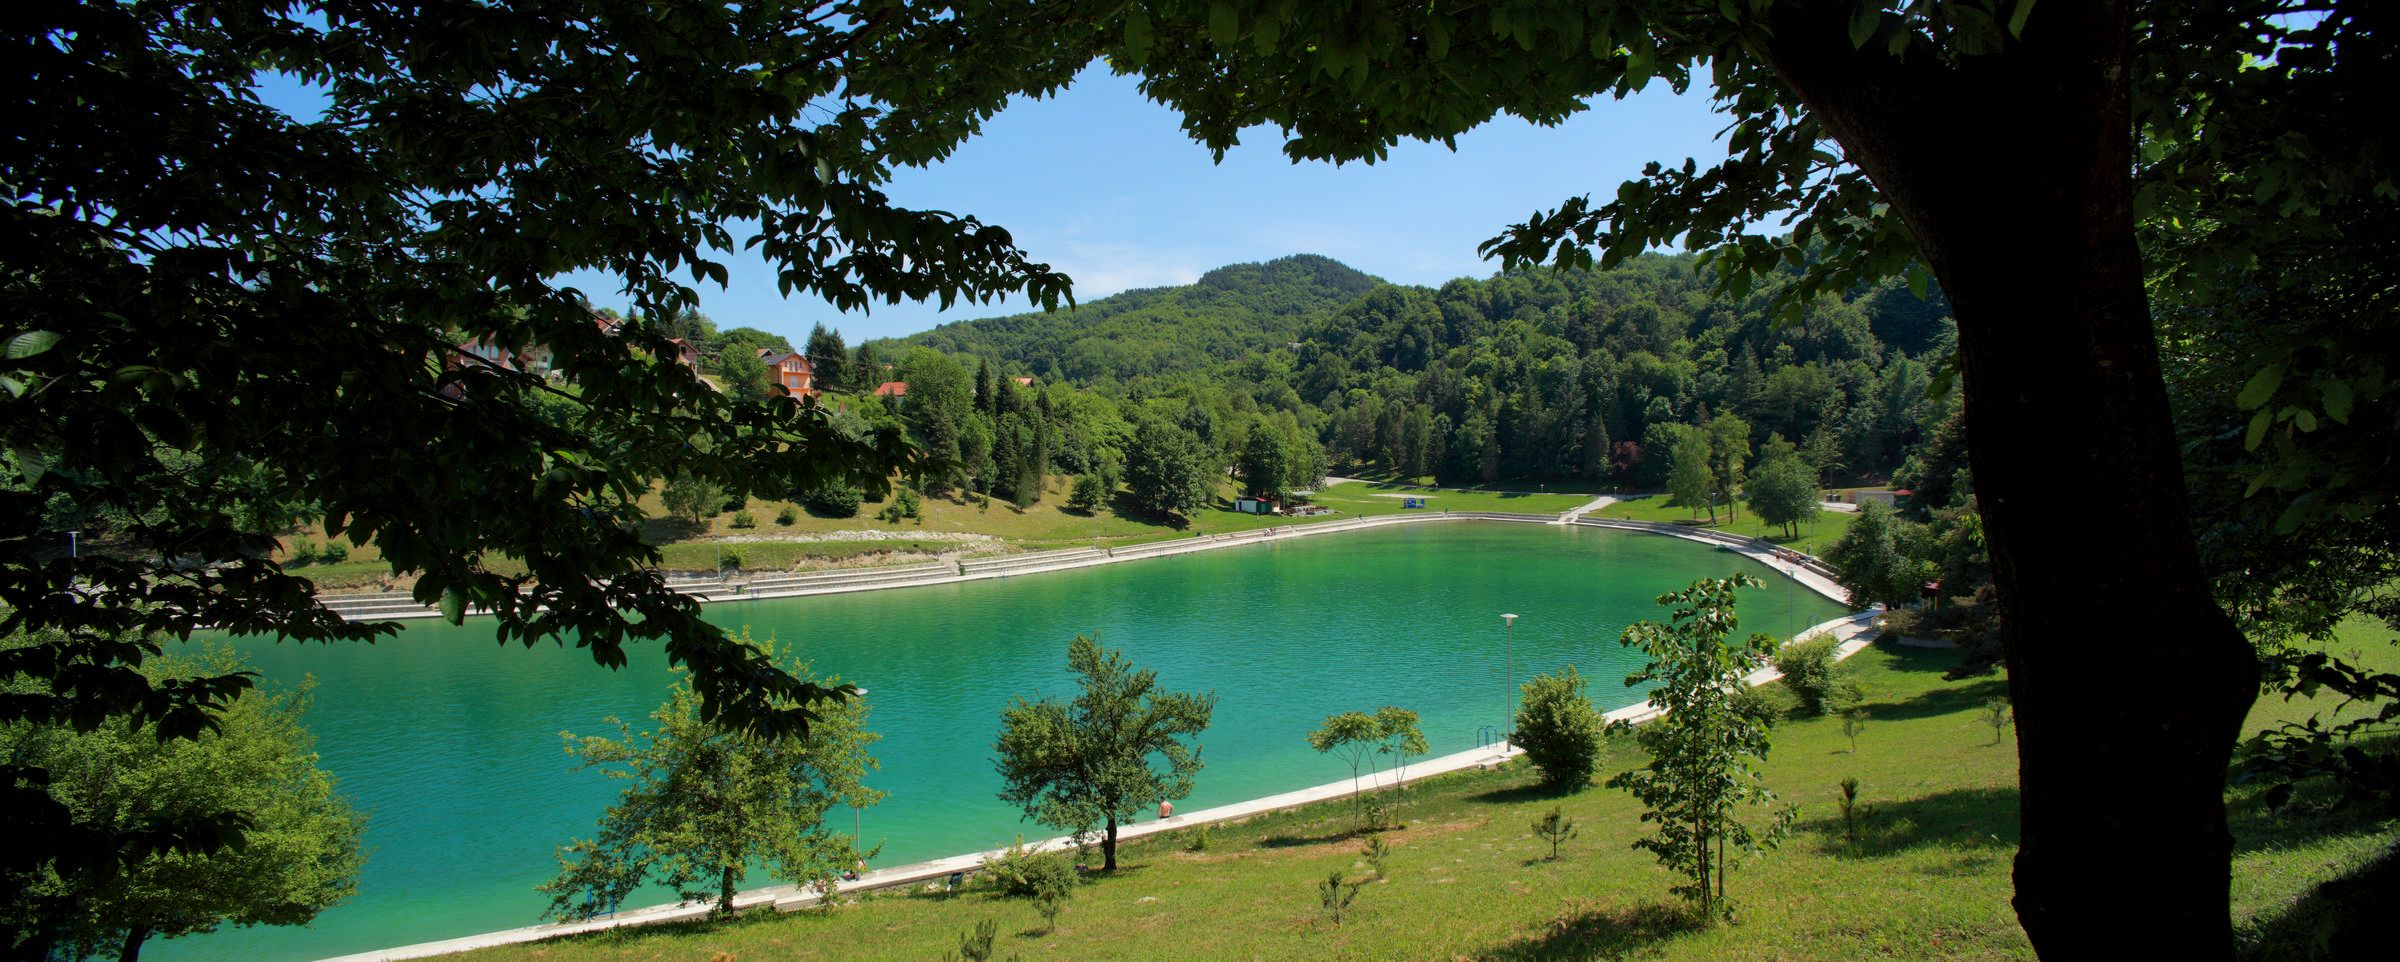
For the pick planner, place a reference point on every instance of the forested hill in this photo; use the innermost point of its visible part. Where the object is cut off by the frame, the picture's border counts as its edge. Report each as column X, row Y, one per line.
column 1227, row 314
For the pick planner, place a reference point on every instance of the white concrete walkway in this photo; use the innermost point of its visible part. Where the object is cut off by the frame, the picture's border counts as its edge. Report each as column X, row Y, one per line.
column 1854, row 631
column 1595, row 505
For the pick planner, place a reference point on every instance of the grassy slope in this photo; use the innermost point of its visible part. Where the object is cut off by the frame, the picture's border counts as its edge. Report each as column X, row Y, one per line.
column 1658, row 507
column 1930, row 880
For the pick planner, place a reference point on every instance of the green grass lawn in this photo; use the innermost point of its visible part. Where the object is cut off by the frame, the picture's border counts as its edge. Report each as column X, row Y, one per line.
column 1929, row 879
column 1828, row 526
column 1371, row 498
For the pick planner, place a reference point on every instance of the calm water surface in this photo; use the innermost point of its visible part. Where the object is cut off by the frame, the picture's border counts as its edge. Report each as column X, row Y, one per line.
column 451, row 743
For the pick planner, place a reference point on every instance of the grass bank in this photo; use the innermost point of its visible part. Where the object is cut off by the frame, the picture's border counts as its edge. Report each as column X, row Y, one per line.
column 1928, row 879
column 1814, row 535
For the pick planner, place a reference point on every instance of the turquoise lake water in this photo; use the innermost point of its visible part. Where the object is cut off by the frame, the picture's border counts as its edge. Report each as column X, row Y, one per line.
column 451, row 743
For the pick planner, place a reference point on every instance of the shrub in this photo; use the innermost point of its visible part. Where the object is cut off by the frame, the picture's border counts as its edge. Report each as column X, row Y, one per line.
column 336, row 552
column 744, row 519
column 1020, row 873
column 1087, row 494
column 786, row 516
column 1197, row 841
column 910, row 505
column 831, row 500
column 732, row 561
column 1377, row 854
column 1812, row 674
column 1559, row 731
column 304, row 553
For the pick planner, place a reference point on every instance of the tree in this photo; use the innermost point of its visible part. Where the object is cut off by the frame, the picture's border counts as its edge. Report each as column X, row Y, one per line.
column 1728, row 453
column 1084, row 766
column 1350, row 736
column 1558, row 730
column 1266, row 463
column 184, row 258
column 1688, row 478
column 1086, row 495
column 300, row 853
column 1704, row 749
column 1168, row 470
column 830, row 358
column 692, row 498
column 745, row 374
column 704, row 802
column 1980, row 145
column 1401, row 738
column 1869, row 559
column 1783, row 488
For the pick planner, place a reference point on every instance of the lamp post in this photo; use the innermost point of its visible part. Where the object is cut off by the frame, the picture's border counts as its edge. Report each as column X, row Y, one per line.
column 1508, row 683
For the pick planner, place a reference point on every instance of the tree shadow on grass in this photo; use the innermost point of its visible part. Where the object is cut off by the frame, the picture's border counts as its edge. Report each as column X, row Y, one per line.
column 1519, row 794
column 1296, row 840
column 1582, row 931
column 1956, row 698
column 1934, row 661
column 2349, row 917
column 1971, row 818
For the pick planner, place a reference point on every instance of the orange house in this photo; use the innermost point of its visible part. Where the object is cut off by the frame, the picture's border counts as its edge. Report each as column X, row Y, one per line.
column 792, row 370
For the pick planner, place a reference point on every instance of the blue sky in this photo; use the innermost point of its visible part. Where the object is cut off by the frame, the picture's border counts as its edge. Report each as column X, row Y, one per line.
column 1103, row 185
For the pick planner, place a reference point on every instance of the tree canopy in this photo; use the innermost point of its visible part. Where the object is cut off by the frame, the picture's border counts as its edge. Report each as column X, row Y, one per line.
column 1085, row 765
column 703, row 803
column 300, row 854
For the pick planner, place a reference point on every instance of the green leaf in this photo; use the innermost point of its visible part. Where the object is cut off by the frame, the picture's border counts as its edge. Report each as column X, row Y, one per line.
column 2262, row 386
column 2304, row 419
column 2258, row 429
column 1864, row 18
column 1224, row 25
column 2337, row 400
column 2017, row 18
column 1918, row 283
column 454, row 606
column 1137, row 34
column 31, row 343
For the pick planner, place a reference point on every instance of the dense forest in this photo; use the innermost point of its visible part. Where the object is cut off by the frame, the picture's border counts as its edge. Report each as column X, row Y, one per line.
column 1523, row 376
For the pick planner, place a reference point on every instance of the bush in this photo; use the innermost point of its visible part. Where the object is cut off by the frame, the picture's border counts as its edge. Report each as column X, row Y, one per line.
column 732, row 561
column 786, row 516
column 1087, row 494
column 1019, row 873
column 1813, row 676
column 1559, row 731
column 744, row 519
column 304, row 553
column 831, row 501
column 336, row 552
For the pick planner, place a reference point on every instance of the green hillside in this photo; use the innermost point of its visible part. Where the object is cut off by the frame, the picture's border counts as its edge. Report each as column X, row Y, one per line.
column 1226, row 315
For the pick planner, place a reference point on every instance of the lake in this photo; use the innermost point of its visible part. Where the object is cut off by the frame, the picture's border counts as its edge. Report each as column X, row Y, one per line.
column 451, row 743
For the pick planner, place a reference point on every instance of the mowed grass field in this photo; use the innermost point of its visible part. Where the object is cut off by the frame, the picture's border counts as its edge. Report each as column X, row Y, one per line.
column 1928, row 878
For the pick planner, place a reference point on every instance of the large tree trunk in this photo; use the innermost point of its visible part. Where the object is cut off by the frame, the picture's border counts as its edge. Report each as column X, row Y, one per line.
column 131, row 950
column 1108, row 847
column 2130, row 685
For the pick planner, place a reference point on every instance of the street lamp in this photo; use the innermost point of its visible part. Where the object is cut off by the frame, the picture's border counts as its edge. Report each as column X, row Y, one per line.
column 1508, row 683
